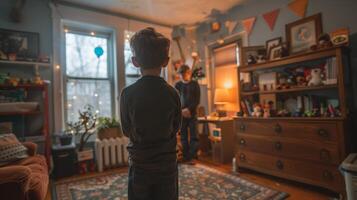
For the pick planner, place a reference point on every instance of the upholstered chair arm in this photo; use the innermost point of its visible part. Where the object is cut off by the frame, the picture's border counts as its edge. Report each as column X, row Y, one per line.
column 15, row 176
column 32, row 148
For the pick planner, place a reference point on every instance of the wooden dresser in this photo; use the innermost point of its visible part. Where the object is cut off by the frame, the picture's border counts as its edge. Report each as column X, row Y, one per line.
column 308, row 151
column 303, row 149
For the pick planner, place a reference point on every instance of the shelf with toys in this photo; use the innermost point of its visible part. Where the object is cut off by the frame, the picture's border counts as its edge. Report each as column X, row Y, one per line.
column 24, row 110
column 26, row 63
column 290, row 90
column 293, row 59
column 305, row 85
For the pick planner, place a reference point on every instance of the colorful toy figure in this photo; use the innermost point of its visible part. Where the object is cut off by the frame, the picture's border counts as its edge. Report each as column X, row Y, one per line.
column 83, row 167
column 267, row 109
column 257, row 110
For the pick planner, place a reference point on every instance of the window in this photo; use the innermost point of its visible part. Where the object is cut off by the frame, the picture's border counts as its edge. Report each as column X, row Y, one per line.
column 88, row 78
column 132, row 73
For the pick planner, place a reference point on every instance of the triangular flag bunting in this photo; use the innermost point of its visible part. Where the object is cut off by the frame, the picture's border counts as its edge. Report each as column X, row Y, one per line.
column 248, row 24
column 230, row 25
column 271, row 17
column 299, row 7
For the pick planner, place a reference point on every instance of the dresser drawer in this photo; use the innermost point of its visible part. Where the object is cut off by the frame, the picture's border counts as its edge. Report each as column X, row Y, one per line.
column 299, row 129
column 290, row 148
column 326, row 176
column 318, row 131
column 260, row 127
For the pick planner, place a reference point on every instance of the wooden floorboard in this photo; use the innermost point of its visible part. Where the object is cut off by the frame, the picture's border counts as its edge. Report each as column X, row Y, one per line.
column 297, row 191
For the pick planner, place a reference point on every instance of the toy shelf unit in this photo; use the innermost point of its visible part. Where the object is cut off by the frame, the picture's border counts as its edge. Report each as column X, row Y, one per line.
column 294, row 117
column 26, row 63
column 24, row 112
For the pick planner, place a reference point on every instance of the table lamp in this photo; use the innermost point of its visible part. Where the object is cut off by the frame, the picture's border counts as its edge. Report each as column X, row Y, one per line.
column 221, row 98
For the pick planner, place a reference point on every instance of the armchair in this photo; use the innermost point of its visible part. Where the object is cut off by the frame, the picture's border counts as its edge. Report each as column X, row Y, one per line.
column 26, row 179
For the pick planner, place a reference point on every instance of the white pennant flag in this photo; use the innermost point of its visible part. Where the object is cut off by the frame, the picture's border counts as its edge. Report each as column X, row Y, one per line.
column 231, row 25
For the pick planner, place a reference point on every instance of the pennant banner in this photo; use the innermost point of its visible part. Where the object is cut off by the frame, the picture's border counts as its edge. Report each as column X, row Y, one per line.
column 271, row 17
column 231, row 25
column 248, row 24
column 299, row 7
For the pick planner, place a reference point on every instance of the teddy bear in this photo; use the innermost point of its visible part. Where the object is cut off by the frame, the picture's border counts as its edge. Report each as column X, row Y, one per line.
column 315, row 78
column 257, row 110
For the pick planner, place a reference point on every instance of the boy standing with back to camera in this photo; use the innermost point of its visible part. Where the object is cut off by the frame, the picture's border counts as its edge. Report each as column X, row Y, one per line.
column 150, row 113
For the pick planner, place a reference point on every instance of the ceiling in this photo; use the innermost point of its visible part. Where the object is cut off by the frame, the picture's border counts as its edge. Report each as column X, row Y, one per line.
column 164, row 12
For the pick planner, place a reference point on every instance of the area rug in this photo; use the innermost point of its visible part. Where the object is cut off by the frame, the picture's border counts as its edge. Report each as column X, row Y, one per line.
column 195, row 182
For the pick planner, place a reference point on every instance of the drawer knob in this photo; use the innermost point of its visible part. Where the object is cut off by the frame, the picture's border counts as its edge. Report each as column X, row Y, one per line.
column 327, row 175
column 242, row 127
column 323, row 133
column 242, row 157
column 278, row 128
column 278, row 146
column 279, row 164
column 242, row 142
column 325, row 155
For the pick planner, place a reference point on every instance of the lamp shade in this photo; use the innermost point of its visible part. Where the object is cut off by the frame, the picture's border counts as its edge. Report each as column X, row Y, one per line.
column 221, row 96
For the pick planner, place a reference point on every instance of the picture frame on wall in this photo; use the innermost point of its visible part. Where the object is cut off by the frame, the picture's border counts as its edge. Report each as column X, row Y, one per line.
column 252, row 55
column 303, row 34
column 272, row 43
column 19, row 45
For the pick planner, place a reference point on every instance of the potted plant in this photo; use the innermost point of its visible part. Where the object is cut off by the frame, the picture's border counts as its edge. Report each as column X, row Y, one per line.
column 84, row 128
column 65, row 138
column 108, row 128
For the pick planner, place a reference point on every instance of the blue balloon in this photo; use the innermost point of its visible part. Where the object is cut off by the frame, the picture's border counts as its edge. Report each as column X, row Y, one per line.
column 98, row 51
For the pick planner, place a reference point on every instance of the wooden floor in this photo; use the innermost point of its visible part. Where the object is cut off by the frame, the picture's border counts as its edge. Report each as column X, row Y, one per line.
column 297, row 191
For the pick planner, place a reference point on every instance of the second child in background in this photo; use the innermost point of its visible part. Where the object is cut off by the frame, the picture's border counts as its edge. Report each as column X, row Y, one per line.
column 189, row 91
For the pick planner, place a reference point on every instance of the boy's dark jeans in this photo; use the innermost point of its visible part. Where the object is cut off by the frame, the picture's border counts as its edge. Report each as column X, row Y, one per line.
column 189, row 148
column 160, row 183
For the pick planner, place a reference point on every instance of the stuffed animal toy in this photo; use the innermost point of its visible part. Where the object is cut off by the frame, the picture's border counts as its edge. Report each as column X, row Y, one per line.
column 257, row 110
column 266, row 110
column 251, row 60
column 300, row 76
column 315, row 77
column 324, row 41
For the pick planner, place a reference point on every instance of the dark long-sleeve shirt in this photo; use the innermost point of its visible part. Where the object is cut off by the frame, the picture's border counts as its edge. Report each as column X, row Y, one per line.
column 150, row 113
column 190, row 95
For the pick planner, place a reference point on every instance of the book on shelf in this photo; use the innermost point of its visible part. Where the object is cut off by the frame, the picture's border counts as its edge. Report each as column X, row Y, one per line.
column 249, row 107
column 331, row 71
column 244, row 108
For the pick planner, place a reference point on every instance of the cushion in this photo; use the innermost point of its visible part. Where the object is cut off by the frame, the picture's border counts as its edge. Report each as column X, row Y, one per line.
column 11, row 149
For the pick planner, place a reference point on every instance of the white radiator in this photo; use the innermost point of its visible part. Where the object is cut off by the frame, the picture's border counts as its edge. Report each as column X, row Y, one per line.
column 111, row 152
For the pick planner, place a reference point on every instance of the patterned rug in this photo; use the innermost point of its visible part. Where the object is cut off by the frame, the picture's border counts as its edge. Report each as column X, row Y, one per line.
column 195, row 182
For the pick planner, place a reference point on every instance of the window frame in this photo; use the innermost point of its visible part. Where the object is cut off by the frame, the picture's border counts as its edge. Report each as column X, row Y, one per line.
column 110, row 69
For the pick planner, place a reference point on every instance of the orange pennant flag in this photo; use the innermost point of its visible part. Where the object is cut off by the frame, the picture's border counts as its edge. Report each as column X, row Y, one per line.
column 248, row 24
column 299, row 7
column 270, row 18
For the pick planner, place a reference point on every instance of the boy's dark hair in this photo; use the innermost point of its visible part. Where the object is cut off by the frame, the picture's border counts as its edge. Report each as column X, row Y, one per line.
column 183, row 69
column 150, row 48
